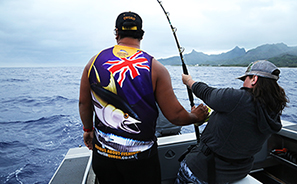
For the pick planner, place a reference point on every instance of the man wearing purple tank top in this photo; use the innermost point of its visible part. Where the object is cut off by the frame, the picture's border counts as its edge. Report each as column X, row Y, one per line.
column 121, row 86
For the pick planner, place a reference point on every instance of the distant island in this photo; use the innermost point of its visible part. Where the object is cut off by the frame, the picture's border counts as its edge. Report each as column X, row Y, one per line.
column 280, row 54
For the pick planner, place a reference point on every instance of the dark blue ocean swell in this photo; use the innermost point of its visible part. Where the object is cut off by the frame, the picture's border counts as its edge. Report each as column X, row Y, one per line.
column 29, row 107
column 39, row 121
column 31, row 149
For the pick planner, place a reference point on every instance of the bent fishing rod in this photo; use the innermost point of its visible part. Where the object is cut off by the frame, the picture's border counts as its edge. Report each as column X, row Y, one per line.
column 185, row 70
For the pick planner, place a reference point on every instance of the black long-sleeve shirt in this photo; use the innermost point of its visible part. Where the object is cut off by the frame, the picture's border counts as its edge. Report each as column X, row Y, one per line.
column 237, row 129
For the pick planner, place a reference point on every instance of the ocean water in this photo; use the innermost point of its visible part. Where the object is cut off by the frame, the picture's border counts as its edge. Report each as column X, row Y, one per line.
column 39, row 118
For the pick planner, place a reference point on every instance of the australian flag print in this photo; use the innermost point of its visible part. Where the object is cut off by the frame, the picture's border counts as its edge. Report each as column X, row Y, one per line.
column 122, row 68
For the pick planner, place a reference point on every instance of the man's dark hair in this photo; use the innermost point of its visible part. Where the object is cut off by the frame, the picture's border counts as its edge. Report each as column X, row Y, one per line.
column 132, row 34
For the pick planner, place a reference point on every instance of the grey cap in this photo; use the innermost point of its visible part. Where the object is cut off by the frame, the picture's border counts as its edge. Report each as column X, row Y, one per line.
column 262, row 68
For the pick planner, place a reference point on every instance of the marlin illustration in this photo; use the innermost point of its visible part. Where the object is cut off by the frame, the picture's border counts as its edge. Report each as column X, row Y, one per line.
column 112, row 110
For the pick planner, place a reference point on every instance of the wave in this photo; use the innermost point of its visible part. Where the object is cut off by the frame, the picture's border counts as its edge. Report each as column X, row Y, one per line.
column 34, row 147
column 37, row 100
column 13, row 80
column 38, row 128
column 9, row 152
column 25, row 174
column 27, row 107
column 12, row 177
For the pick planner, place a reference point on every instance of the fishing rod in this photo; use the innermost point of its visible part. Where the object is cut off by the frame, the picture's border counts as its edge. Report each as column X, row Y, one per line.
column 185, row 70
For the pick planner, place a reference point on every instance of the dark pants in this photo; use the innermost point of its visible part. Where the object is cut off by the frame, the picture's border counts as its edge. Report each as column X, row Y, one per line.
column 113, row 171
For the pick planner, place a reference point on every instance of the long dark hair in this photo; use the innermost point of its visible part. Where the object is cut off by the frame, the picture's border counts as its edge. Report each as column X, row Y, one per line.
column 270, row 94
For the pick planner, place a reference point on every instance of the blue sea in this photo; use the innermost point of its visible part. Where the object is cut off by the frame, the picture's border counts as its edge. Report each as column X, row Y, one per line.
column 39, row 118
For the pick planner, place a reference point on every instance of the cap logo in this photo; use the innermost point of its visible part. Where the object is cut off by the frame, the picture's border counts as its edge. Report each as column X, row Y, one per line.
column 129, row 17
column 249, row 68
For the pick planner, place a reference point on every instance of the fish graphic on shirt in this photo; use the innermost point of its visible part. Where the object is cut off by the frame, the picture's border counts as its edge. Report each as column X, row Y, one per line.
column 112, row 110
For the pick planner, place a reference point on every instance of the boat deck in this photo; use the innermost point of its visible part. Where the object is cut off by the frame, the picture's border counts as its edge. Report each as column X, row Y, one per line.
column 268, row 168
column 75, row 167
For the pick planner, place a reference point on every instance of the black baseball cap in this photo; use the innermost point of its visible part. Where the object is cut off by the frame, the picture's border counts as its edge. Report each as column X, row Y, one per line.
column 129, row 21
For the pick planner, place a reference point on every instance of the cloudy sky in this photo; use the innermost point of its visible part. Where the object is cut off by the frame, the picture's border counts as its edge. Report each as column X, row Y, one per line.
column 70, row 32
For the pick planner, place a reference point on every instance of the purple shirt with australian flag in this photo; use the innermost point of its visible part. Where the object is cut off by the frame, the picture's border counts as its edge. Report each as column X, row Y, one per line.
column 124, row 102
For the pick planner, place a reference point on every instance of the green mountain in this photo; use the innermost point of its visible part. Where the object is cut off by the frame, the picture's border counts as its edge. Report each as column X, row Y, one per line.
column 286, row 60
column 280, row 54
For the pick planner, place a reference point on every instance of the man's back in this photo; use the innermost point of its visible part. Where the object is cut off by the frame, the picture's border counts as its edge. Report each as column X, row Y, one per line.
column 124, row 99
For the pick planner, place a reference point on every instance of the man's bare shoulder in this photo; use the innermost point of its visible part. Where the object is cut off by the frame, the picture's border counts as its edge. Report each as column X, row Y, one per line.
column 89, row 64
column 158, row 66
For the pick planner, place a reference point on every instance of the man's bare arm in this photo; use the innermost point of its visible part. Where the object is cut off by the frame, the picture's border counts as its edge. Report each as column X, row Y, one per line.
column 166, row 99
